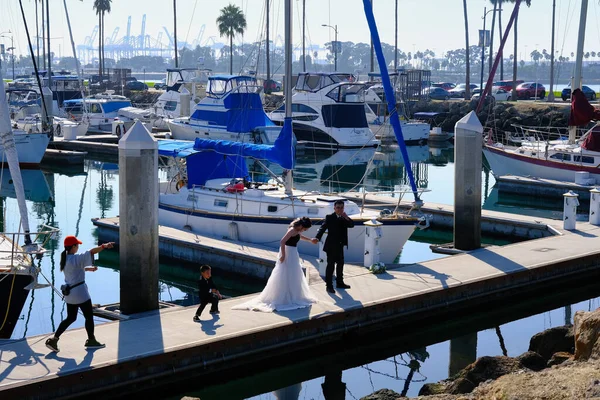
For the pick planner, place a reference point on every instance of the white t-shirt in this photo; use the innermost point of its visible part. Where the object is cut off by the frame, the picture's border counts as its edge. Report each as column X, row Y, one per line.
column 74, row 273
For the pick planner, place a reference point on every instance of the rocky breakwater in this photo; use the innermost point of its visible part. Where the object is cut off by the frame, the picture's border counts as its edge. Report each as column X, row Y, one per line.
column 561, row 363
column 500, row 116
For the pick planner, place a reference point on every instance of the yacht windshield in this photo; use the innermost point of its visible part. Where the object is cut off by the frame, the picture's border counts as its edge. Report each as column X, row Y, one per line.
column 348, row 93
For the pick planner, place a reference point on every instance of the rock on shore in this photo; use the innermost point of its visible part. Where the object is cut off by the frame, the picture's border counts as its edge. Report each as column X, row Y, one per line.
column 501, row 116
column 562, row 363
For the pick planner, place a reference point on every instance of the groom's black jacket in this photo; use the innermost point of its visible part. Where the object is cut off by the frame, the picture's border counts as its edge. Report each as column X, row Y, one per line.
column 337, row 231
column 204, row 286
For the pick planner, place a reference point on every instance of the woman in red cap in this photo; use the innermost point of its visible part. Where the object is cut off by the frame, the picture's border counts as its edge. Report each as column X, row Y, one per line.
column 74, row 266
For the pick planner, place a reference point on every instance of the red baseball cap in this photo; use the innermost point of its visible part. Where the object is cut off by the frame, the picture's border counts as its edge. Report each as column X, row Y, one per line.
column 71, row 241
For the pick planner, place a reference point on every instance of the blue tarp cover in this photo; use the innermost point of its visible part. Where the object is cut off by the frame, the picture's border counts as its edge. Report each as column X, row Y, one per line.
column 282, row 152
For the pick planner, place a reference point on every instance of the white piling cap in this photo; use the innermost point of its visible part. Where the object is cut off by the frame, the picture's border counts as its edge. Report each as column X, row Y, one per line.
column 138, row 138
column 595, row 190
column 184, row 91
column 469, row 122
column 570, row 193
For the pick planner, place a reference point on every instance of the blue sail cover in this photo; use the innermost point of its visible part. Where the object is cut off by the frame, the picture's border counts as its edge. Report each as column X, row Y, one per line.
column 282, row 152
column 210, row 165
column 203, row 165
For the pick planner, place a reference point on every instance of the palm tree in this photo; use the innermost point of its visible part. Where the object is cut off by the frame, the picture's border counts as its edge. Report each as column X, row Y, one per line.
column 231, row 22
column 468, row 62
column 101, row 7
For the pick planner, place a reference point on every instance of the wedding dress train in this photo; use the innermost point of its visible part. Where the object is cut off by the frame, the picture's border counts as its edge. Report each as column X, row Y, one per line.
column 286, row 289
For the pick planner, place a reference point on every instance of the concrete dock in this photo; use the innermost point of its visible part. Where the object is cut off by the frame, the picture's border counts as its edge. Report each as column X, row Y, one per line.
column 160, row 349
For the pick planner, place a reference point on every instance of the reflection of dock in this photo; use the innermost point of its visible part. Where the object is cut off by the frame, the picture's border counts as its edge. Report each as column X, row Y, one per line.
column 155, row 351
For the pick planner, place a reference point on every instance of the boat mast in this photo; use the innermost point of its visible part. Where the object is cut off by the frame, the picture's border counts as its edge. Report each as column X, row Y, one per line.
column 10, row 154
column 287, row 85
column 551, row 92
column 576, row 80
column 77, row 64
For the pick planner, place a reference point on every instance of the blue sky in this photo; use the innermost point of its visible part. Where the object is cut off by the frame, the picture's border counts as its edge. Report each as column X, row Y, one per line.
column 433, row 24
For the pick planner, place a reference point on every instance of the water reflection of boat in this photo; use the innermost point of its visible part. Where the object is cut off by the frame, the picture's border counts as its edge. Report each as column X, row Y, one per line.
column 35, row 184
column 334, row 170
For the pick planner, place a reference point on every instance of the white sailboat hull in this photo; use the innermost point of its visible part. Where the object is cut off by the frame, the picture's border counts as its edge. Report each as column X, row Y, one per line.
column 270, row 231
column 508, row 163
column 30, row 147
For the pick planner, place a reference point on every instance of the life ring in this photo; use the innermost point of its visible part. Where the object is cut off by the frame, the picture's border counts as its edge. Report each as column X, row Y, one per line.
column 118, row 132
column 235, row 187
column 58, row 130
column 180, row 183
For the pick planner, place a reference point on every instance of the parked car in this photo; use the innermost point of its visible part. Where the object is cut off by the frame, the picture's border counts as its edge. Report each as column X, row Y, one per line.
column 136, row 85
column 459, row 90
column 528, row 90
column 587, row 91
column 437, row 93
column 507, row 85
column 496, row 93
column 161, row 85
column 272, row 86
column 444, row 85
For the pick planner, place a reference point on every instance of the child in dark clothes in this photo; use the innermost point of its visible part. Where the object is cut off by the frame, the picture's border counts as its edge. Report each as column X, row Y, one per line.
column 208, row 293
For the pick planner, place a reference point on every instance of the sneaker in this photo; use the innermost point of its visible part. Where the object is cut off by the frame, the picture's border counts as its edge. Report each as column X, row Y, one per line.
column 52, row 344
column 330, row 289
column 342, row 285
column 93, row 343
column 215, row 312
column 196, row 318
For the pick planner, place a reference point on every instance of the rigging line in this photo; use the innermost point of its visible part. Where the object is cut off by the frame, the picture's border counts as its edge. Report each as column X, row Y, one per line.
column 33, row 60
column 190, row 25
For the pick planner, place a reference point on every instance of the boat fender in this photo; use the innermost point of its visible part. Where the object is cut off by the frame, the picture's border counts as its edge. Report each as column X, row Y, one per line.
column 179, row 184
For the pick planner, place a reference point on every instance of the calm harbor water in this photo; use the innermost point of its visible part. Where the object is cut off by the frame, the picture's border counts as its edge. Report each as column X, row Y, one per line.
column 69, row 199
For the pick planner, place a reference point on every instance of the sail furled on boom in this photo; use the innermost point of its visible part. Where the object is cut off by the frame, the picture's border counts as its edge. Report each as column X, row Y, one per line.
column 389, row 94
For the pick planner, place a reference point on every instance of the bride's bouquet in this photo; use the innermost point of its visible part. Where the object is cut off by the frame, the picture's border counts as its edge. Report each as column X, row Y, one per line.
column 377, row 268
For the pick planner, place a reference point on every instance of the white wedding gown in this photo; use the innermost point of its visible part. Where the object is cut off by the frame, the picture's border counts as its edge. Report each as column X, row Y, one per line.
column 286, row 288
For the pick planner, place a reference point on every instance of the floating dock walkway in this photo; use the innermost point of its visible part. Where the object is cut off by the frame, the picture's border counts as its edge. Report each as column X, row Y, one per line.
column 155, row 351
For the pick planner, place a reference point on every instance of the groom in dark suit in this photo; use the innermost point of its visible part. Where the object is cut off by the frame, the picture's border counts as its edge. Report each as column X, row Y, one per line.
column 337, row 225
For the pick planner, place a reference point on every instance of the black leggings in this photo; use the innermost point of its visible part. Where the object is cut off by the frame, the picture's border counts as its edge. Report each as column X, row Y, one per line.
column 86, row 309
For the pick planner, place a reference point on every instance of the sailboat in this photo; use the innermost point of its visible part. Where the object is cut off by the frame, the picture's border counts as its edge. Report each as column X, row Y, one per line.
column 212, row 193
column 18, row 273
column 555, row 159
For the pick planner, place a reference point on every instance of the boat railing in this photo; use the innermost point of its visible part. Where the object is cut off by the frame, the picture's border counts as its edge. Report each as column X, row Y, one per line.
column 523, row 134
column 33, row 247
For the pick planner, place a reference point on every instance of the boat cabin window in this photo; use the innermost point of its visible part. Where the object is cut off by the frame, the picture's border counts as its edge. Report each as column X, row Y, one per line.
column 348, row 93
column 220, row 203
column 95, row 108
column 561, row 156
column 170, row 106
column 313, row 210
column 584, row 159
column 300, row 108
column 272, row 208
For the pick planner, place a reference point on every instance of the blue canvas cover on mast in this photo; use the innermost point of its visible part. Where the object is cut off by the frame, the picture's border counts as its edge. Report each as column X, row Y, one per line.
column 212, row 159
column 389, row 94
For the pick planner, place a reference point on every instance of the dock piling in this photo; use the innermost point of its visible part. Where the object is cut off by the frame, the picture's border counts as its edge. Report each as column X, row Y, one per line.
column 570, row 210
column 138, row 231
column 468, row 143
column 184, row 103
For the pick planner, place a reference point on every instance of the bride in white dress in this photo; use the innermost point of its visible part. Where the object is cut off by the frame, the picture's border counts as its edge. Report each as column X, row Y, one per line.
column 287, row 288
